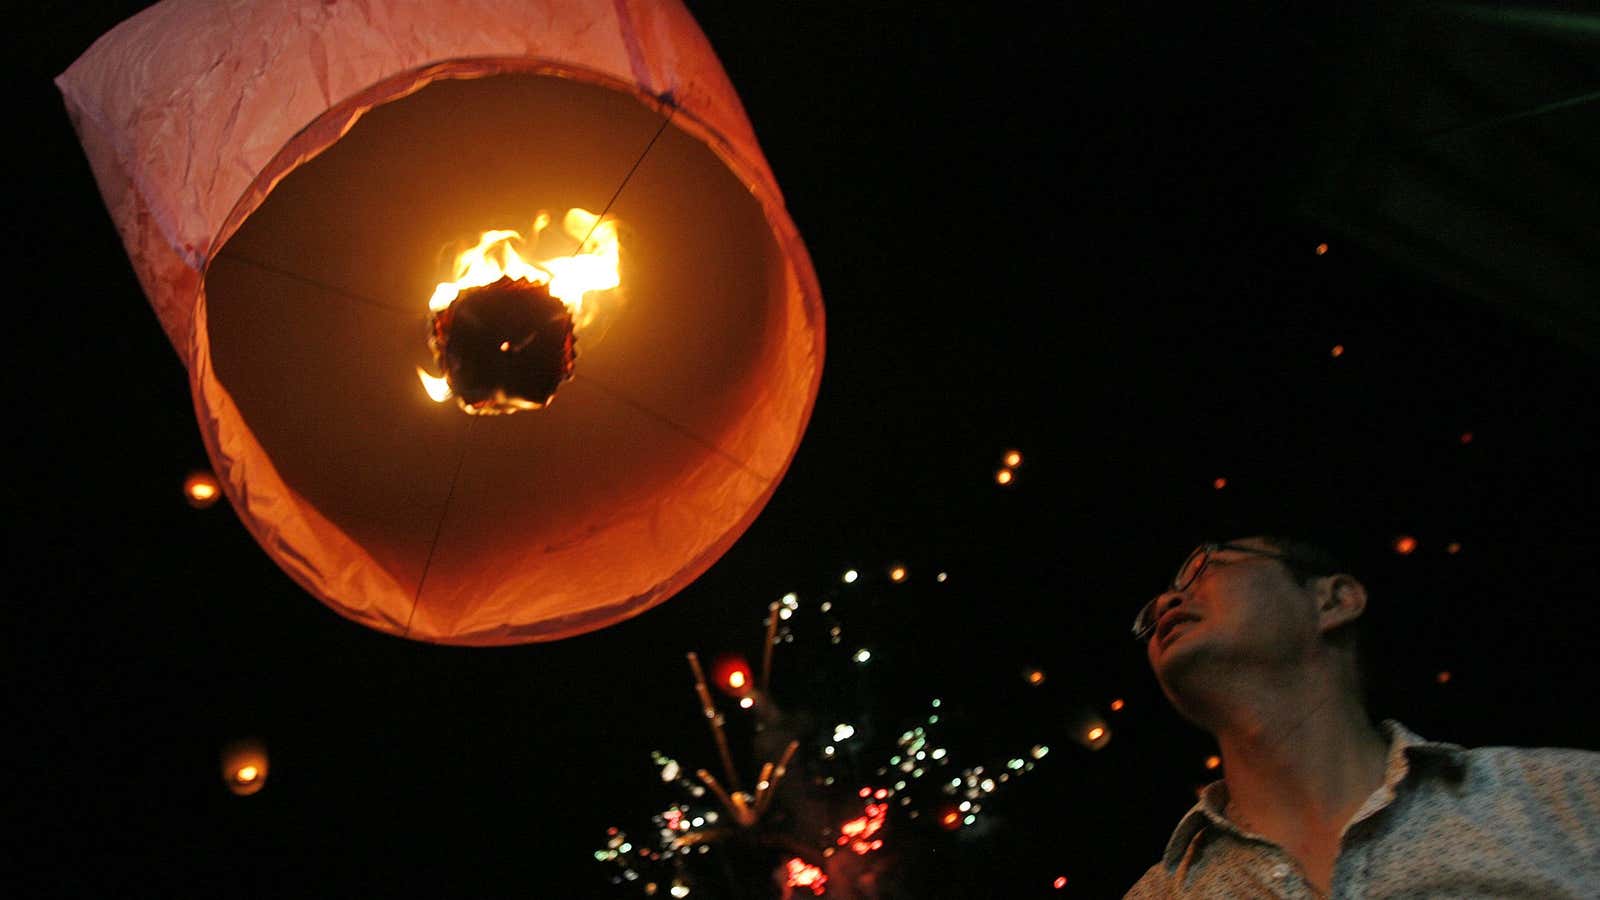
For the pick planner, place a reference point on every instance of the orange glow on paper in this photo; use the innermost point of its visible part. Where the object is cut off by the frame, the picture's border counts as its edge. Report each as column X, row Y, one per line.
column 1116, row 705
column 1003, row 476
column 499, row 254
column 897, row 574
column 1213, row 761
column 1013, row 459
column 1337, row 351
column 201, row 490
column 799, row 873
column 1405, row 545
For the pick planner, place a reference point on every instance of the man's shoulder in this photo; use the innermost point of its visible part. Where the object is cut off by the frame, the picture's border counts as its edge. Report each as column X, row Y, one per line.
column 1531, row 767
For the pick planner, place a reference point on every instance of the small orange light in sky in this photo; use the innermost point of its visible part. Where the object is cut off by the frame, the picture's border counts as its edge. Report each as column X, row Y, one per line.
column 1443, row 677
column 1213, row 761
column 1003, row 476
column 897, row 574
column 1453, row 548
column 1322, row 249
column 1405, row 545
column 1013, row 458
column 950, row 819
column 1337, row 351
column 1060, row 882
column 1096, row 732
column 1116, row 705
column 1466, row 437
column 1035, row 676
column 201, row 489
column 1220, row 483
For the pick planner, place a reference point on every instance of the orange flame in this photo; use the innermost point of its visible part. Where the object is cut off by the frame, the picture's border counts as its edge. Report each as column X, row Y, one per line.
column 503, row 254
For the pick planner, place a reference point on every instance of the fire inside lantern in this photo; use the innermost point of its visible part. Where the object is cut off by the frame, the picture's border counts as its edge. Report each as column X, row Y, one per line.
column 504, row 330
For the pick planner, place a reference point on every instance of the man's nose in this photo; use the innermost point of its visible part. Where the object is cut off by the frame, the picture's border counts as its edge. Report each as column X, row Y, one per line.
column 1168, row 600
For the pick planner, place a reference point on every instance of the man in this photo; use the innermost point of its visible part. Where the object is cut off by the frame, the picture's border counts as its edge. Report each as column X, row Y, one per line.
column 1256, row 641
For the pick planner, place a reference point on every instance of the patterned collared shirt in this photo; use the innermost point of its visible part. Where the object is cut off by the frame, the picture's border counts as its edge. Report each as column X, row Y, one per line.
column 1446, row 822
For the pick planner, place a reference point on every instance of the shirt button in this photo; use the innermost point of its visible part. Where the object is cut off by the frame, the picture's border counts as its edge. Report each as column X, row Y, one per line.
column 1279, row 872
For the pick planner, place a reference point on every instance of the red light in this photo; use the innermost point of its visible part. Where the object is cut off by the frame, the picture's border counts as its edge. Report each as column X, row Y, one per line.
column 1060, row 882
column 1466, row 437
column 1116, row 705
column 732, row 675
column 951, row 819
column 1405, row 545
column 1220, row 483
column 1322, row 249
column 799, row 873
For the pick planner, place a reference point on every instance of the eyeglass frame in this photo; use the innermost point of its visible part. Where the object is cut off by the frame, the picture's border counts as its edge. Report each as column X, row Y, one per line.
column 1144, row 623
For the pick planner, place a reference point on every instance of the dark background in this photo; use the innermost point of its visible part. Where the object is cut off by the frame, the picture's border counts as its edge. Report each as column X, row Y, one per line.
column 1083, row 233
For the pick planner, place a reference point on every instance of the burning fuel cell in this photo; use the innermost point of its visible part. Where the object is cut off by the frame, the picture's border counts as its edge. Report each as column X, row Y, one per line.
column 504, row 332
column 504, row 347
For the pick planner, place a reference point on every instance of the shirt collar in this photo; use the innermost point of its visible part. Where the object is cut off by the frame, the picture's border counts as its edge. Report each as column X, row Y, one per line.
column 1404, row 744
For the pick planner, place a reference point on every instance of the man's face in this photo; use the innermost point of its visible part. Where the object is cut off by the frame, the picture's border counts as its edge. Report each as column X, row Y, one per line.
column 1244, row 610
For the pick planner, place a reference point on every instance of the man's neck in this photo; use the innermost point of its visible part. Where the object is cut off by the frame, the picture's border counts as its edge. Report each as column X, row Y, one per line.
column 1299, row 763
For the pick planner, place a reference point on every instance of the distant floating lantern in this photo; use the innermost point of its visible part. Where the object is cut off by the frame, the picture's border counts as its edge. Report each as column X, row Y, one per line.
column 1337, row 351
column 1405, row 545
column 1003, row 477
column 1453, row 548
column 1116, row 705
column 1322, row 249
column 1060, row 882
column 1213, row 762
column 244, row 766
column 1219, row 484
column 1466, row 437
column 1089, row 729
column 1013, row 459
column 383, row 197
column 1443, row 677
column 1034, row 676
column 201, row 490
column 897, row 574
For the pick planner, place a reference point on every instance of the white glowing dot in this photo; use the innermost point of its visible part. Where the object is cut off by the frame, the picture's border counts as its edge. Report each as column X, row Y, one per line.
column 933, row 720
column 851, row 576
column 1039, row 751
column 899, row 785
column 785, row 613
column 746, row 702
column 711, row 816
column 965, row 806
column 936, row 702
column 862, row 655
column 699, row 821
column 843, row 731
column 987, row 785
column 938, row 753
column 827, row 605
column 941, row 577
column 791, row 600
column 680, row 890
column 669, row 772
column 625, row 848
column 828, row 750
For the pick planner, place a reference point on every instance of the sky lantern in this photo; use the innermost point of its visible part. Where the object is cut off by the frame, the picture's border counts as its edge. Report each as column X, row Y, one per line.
column 244, row 766
column 494, row 334
column 200, row 489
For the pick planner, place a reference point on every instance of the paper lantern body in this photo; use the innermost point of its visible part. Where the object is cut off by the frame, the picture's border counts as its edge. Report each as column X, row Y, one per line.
column 284, row 176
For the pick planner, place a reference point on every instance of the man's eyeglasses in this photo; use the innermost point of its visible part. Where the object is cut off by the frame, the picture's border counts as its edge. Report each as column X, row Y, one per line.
column 1144, row 624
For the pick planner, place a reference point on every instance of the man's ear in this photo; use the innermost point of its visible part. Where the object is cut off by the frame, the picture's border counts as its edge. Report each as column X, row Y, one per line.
column 1341, row 599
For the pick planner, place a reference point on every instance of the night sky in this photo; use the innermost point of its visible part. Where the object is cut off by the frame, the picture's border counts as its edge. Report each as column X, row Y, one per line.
column 1082, row 234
